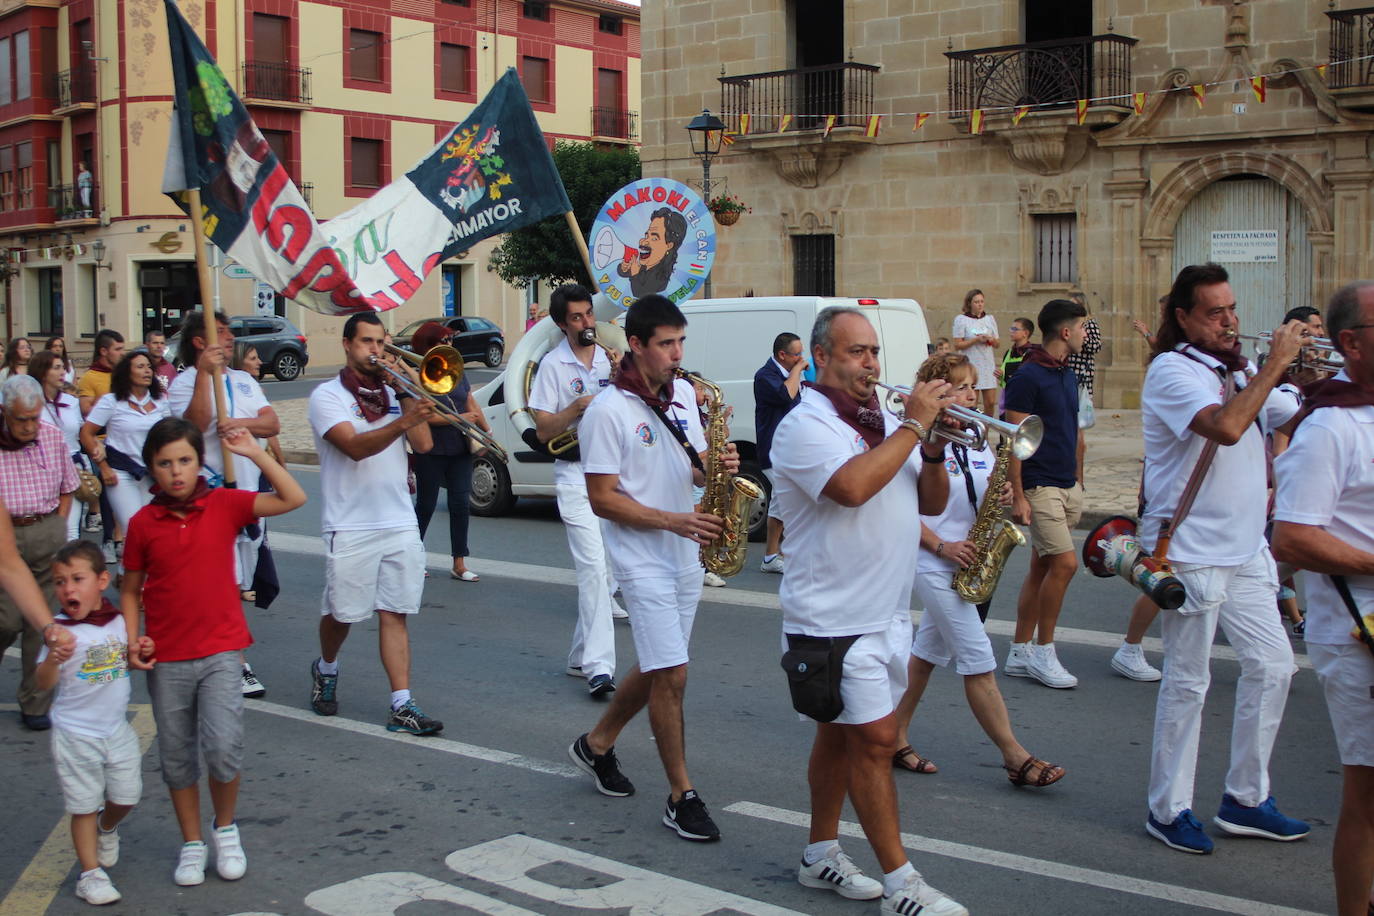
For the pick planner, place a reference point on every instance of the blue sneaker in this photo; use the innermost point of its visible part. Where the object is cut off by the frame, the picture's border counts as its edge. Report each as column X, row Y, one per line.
column 1184, row 834
column 1265, row 821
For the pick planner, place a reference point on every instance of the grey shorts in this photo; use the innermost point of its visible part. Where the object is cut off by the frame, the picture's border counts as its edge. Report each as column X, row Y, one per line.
column 94, row 770
column 198, row 707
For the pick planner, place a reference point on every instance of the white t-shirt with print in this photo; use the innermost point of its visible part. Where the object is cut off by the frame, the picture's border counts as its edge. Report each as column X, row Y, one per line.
column 849, row 570
column 243, row 399
column 954, row 523
column 93, row 686
column 620, row 435
column 367, row 495
column 126, row 427
column 562, row 379
column 1225, row 526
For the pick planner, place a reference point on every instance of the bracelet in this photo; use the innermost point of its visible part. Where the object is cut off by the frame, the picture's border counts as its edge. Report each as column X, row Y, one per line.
column 940, row 549
column 938, row 459
column 915, row 426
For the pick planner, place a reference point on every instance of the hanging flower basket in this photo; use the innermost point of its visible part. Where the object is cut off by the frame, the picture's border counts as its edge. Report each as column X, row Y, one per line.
column 727, row 217
column 727, row 209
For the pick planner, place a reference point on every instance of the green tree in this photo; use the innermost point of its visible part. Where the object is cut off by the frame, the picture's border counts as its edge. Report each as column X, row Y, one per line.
column 546, row 250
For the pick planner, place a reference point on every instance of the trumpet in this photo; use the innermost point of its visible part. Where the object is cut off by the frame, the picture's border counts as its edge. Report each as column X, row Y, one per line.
column 441, row 369
column 974, row 427
column 1317, row 353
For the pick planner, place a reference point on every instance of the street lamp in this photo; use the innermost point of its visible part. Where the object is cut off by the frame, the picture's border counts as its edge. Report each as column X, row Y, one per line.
column 706, row 132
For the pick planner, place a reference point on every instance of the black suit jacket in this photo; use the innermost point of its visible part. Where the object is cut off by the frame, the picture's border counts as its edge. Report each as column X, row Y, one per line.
column 771, row 404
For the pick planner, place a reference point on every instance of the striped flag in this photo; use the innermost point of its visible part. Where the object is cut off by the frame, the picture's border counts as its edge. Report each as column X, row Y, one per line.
column 785, row 123
column 1138, row 102
column 1199, row 94
column 1081, row 108
column 829, row 125
column 1257, row 86
column 743, row 124
column 728, row 138
column 1020, row 112
column 874, row 123
column 1321, row 72
column 920, row 121
column 975, row 121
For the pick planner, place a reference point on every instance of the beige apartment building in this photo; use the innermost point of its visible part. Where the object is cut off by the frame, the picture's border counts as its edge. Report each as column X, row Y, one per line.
column 1046, row 199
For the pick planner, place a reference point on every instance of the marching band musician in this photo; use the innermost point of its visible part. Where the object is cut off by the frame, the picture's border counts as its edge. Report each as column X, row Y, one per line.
column 1218, row 553
column 950, row 629
column 1325, row 501
column 569, row 377
column 847, row 490
column 643, row 449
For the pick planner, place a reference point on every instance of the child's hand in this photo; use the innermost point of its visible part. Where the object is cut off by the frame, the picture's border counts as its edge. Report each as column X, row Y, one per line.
column 241, row 441
column 141, row 655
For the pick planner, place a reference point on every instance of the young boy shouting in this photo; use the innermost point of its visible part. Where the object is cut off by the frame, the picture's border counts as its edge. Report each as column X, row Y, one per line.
column 95, row 749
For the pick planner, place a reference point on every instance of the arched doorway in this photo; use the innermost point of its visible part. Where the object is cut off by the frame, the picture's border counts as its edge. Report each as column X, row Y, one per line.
column 1258, row 231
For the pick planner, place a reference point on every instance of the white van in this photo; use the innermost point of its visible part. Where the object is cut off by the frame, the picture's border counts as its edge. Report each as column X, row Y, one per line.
column 728, row 340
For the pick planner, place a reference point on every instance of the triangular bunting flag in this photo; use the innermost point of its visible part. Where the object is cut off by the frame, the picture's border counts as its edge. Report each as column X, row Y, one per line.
column 785, row 123
column 1081, row 106
column 874, row 123
column 1321, row 72
column 1138, row 102
column 829, row 125
column 728, row 138
column 921, row 120
column 1019, row 113
column 1199, row 94
column 743, row 124
column 1257, row 86
column 975, row 121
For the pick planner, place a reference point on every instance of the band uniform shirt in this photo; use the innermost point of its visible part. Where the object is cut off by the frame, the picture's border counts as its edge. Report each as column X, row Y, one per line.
column 1225, row 526
column 93, row 685
column 191, row 605
column 243, row 399
column 126, row 425
column 849, row 570
column 772, row 402
column 367, row 495
column 954, row 522
column 34, row 477
column 620, row 435
column 1326, row 479
column 562, row 379
column 1052, row 395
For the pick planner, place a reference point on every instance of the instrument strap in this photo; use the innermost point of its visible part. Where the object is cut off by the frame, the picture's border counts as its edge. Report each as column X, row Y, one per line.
column 961, row 459
column 679, row 435
column 1344, row 591
column 1190, row 490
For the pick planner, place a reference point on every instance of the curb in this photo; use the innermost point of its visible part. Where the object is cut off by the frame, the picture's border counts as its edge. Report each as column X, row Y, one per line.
column 300, row 456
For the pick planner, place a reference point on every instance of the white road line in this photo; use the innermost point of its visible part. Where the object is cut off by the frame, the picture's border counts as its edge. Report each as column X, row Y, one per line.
column 1039, row 867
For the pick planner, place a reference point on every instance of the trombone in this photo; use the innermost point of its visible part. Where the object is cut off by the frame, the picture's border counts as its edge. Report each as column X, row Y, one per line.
column 1317, row 353
column 974, row 426
column 441, row 368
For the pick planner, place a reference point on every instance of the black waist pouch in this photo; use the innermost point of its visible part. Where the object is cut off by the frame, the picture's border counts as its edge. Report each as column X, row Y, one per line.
column 814, row 666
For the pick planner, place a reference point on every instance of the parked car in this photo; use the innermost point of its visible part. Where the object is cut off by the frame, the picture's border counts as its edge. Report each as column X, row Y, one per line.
column 478, row 339
column 280, row 344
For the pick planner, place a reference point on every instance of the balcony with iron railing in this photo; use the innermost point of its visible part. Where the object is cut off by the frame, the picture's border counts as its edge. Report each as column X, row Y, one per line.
column 74, row 89
column 1350, row 72
column 808, row 94
column 1046, row 75
column 308, row 192
column 276, row 84
column 73, row 202
column 615, row 124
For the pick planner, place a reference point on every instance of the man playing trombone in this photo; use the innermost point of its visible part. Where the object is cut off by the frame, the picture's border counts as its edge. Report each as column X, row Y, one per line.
column 374, row 558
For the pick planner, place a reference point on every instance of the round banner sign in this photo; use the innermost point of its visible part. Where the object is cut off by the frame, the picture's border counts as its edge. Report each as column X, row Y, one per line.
column 654, row 235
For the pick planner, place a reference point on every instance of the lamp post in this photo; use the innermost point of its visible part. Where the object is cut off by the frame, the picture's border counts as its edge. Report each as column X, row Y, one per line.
column 98, row 251
column 706, row 132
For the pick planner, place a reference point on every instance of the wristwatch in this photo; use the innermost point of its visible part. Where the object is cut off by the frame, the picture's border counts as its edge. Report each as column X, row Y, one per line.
column 915, row 426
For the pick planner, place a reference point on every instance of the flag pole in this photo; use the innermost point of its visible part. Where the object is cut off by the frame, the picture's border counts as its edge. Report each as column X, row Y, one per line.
column 211, row 325
column 581, row 246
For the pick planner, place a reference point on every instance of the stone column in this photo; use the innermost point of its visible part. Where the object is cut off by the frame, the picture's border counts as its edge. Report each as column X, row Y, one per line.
column 1119, row 373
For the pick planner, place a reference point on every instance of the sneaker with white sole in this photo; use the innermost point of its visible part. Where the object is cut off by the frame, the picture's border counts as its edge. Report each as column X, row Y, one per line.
column 106, row 843
column 251, row 686
column 618, row 612
column 96, row 887
column 917, row 897
column 837, row 872
column 1129, row 661
column 1016, row 660
column 774, row 564
column 604, row 768
column 1265, row 820
column 712, row 580
column 689, row 817
column 191, row 864
column 408, row 717
column 1043, row 664
column 230, row 860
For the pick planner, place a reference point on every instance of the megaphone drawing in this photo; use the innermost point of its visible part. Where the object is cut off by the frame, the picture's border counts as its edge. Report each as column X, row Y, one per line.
column 607, row 249
column 1112, row 549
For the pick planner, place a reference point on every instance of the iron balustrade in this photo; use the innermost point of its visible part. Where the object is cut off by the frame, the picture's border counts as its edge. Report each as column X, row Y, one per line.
column 1352, row 48
column 1043, row 74
column 276, row 82
column 614, row 122
column 69, row 202
column 808, row 94
column 75, row 86
column 307, row 189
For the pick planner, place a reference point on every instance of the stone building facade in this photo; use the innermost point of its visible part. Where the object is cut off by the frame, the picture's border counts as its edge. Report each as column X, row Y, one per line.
column 1042, row 202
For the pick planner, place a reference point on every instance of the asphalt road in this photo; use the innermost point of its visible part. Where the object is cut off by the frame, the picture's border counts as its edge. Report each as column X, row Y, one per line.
column 341, row 817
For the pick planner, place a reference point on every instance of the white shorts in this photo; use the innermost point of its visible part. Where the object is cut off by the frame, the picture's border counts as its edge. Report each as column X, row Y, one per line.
column 92, row 771
column 1346, row 673
column 662, row 609
column 367, row 571
column 874, row 676
column 950, row 629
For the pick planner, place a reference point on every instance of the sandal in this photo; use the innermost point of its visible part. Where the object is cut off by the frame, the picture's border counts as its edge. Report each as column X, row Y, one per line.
column 1050, row 773
column 922, row 765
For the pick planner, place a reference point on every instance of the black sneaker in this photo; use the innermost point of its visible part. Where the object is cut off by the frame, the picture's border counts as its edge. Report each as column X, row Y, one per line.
column 322, row 687
column 600, row 685
column 690, row 818
column 409, row 718
column 604, row 769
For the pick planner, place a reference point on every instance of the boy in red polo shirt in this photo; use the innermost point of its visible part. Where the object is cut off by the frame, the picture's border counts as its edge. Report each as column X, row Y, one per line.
column 178, row 546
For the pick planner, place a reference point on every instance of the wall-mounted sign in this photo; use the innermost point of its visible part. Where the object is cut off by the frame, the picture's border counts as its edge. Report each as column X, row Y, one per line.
column 264, row 299
column 236, row 271
column 1245, row 246
column 167, row 243
column 654, row 235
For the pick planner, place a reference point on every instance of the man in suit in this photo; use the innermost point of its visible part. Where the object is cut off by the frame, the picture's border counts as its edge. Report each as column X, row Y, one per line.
column 777, row 388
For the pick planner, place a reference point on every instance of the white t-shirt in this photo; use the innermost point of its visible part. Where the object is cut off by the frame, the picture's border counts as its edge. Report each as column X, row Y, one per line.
column 67, row 418
column 954, row 523
column 981, row 355
column 620, row 435
column 126, row 427
column 1326, row 479
column 93, row 686
column 562, row 379
column 1225, row 526
column 367, row 495
column 243, row 399
column 849, row 570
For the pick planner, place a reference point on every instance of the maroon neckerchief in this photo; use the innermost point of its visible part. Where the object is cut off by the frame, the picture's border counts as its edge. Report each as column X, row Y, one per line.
column 1332, row 393
column 169, row 503
column 1231, row 359
column 97, row 618
column 375, row 403
column 99, row 365
column 1041, row 357
column 629, row 379
column 865, row 419
column 9, row 443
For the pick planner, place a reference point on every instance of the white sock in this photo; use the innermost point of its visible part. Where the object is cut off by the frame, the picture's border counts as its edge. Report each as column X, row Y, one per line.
column 769, row 557
column 325, row 667
column 91, row 872
column 817, row 851
column 399, row 698
column 893, row 881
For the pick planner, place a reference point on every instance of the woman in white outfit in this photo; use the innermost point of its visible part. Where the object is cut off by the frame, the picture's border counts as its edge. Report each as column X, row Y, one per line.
column 58, row 345
column 975, row 336
column 63, row 411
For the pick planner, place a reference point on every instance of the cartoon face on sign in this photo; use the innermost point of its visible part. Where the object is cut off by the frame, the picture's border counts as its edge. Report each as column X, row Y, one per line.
column 653, row 236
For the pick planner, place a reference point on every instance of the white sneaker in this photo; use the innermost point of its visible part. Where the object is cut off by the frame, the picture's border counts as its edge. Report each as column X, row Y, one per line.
column 618, row 612
column 839, row 874
column 1129, row 661
column 190, row 864
column 230, row 861
column 96, row 887
column 1016, row 661
column 574, row 671
column 106, row 844
column 107, row 550
column 1043, row 664
column 775, row 566
column 713, row 580
column 93, row 522
column 918, row 897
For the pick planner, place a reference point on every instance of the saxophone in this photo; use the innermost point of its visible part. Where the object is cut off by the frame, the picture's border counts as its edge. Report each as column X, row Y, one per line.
column 992, row 535
column 728, row 498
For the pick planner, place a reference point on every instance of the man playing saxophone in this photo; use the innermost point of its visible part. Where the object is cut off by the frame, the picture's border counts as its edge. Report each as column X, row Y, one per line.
column 642, row 445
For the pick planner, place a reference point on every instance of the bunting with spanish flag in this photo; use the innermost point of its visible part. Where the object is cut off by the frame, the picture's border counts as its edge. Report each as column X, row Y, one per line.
column 921, row 118
column 728, row 138
column 1257, row 86
column 875, row 122
column 1321, row 72
column 1081, row 110
column 1199, row 93
column 785, row 123
column 829, row 125
column 975, row 121
column 743, row 124
column 1020, row 112
column 1138, row 102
